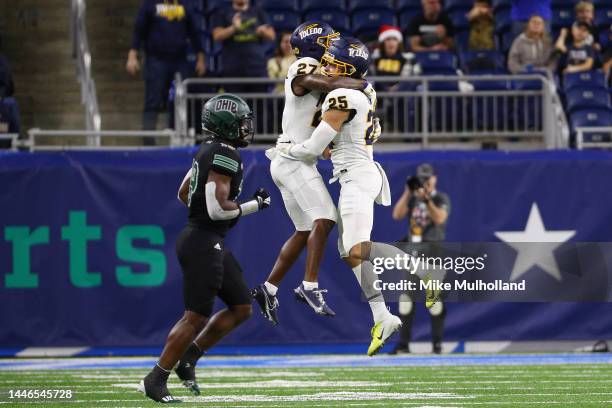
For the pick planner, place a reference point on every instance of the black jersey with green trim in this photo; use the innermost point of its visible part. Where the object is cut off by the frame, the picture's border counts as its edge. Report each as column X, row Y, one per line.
column 224, row 159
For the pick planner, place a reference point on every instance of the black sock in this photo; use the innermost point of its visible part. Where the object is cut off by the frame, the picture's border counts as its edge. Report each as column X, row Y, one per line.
column 192, row 354
column 159, row 373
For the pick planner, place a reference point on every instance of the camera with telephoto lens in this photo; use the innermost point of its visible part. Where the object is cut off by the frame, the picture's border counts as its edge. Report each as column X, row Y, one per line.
column 415, row 182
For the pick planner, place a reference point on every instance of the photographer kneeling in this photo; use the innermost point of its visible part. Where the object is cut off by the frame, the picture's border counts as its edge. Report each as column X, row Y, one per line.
column 427, row 210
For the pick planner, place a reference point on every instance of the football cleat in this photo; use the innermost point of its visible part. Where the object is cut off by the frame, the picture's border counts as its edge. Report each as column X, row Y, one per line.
column 267, row 302
column 431, row 295
column 186, row 373
column 314, row 299
column 156, row 390
column 382, row 331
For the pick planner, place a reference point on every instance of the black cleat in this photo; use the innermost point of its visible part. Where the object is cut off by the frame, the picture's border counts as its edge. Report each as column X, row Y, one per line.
column 314, row 299
column 267, row 302
column 155, row 388
column 186, row 372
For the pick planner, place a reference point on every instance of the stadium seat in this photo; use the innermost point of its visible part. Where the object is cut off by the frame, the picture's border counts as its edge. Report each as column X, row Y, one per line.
column 563, row 3
column 402, row 5
column 278, row 4
column 337, row 19
column 462, row 40
column 584, row 79
column 459, row 19
column 587, row 98
column 309, row 5
column 603, row 17
column 367, row 22
column 506, row 41
column 503, row 21
column 450, row 5
column 406, row 16
column 478, row 61
column 354, row 5
column 562, row 17
column 591, row 118
column 214, row 5
column 284, row 20
column 500, row 5
column 527, row 84
column 436, row 60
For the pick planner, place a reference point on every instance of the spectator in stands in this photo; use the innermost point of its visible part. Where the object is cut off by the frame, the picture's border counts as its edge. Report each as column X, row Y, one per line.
column 389, row 59
column 432, row 29
column 162, row 29
column 531, row 51
column 481, row 26
column 579, row 55
column 278, row 66
column 9, row 109
column 585, row 13
column 523, row 10
column 606, row 56
column 242, row 29
column 427, row 210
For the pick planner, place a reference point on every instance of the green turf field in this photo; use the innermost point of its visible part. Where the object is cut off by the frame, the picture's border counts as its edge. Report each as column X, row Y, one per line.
column 443, row 386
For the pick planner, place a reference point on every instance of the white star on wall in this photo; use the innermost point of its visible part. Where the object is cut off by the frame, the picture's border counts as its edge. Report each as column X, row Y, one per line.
column 535, row 255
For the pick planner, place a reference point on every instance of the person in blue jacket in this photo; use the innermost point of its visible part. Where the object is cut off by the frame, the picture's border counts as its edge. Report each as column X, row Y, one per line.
column 162, row 29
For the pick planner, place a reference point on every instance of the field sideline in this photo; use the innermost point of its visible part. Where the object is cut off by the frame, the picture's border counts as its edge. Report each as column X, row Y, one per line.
column 524, row 380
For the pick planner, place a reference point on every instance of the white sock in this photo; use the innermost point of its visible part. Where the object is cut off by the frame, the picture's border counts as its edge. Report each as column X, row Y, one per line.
column 379, row 309
column 310, row 285
column 270, row 288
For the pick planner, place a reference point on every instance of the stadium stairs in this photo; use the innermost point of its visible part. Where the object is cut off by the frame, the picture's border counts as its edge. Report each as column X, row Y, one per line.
column 120, row 96
column 36, row 40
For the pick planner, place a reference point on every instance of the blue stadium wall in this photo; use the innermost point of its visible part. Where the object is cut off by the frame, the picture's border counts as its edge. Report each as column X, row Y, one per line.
column 124, row 287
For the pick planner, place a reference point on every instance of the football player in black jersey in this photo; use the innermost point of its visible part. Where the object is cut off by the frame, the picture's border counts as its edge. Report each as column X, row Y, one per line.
column 209, row 190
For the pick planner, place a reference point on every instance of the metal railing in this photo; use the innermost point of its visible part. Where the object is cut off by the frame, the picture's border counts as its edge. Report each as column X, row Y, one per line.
column 82, row 55
column 422, row 109
column 593, row 137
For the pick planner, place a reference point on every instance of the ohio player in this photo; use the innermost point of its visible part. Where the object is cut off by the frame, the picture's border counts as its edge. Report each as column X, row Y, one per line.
column 304, row 193
column 347, row 122
column 210, row 190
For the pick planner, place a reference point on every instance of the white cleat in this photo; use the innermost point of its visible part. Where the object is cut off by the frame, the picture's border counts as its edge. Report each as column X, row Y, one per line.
column 382, row 331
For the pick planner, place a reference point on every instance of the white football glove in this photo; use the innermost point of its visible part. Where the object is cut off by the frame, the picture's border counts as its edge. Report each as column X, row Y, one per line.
column 370, row 92
column 376, row 130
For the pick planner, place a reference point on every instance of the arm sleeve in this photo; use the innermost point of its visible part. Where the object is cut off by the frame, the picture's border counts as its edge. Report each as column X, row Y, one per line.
column 316, row 144
column 225, row 161
column 218, row 19
column 262, row 17
column 192, row 30
column 141, row 26
column 514, row 64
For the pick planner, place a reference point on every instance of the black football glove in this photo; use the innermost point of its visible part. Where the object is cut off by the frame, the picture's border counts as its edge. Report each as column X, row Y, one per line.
column 262, row 197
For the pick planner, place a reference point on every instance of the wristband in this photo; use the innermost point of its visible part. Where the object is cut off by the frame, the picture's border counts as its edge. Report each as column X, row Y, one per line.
column 249, row 207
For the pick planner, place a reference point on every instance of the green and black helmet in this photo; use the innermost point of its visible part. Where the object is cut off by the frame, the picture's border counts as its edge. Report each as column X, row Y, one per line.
column 228, row 117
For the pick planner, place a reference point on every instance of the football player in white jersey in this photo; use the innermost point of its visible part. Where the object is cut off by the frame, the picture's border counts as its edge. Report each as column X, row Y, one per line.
column 304, row 193
column 348, row 124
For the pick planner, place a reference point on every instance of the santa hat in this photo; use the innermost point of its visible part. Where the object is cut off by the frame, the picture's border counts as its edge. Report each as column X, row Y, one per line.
column 388, row 31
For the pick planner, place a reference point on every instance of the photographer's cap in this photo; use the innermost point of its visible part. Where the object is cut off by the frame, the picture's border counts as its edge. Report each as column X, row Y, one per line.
column 425, row 171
